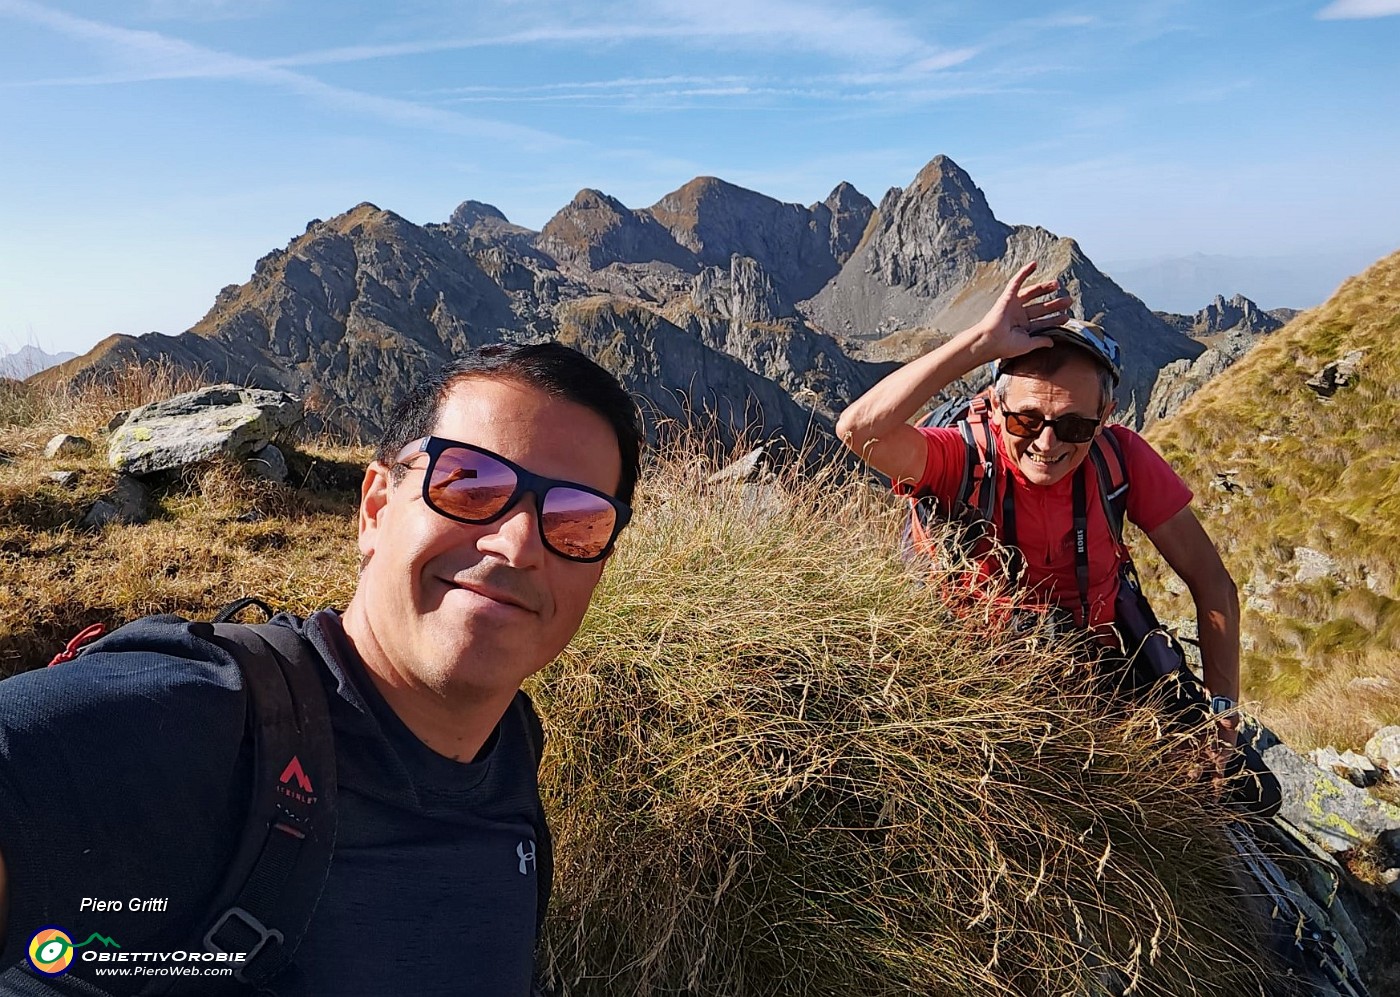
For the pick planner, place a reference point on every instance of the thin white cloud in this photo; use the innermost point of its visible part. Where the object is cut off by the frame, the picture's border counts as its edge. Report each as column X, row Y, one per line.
column 144, row 56
column 1340, row 10
column 855, row 33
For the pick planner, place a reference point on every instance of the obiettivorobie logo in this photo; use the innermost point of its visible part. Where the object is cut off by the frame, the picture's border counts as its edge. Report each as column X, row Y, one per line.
column 51, row 949
column 52, row 953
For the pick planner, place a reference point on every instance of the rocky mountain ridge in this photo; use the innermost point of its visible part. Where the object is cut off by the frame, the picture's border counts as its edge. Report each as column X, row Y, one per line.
column 753, row 302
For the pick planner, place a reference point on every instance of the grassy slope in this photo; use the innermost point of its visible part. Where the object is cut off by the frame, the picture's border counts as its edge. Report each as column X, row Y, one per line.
column 1314, row 473
column 216, row 535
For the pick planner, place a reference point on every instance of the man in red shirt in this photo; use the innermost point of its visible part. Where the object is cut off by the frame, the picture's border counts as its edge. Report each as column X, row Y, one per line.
column 1053, row 395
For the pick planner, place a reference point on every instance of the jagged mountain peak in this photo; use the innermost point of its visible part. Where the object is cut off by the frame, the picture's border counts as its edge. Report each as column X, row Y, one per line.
column 945, row 189
column 845, row 196
column 469, row 213
column 942, row 171
column 706, row 200
column 596, row 229
column 592, row 197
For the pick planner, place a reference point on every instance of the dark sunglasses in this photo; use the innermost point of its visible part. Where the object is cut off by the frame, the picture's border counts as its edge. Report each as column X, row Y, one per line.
column 470, row 484
column 1068, row 428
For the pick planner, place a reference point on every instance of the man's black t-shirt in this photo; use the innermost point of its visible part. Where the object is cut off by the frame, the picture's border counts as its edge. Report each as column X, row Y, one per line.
column 123, row 790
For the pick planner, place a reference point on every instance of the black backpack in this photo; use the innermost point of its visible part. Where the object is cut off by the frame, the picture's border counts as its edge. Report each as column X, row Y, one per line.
column 273, row 882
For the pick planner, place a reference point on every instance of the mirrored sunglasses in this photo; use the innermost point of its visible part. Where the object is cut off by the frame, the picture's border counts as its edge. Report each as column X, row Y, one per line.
column 1068, row 428
column 470, row 484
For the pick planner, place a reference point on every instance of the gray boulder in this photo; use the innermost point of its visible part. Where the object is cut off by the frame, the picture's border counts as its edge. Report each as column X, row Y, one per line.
column 1355, row 769
column 1384, row 748
column 1329, row 810
column 128, row 503
column 267, row 463
column 67, row 445
column 199, row 425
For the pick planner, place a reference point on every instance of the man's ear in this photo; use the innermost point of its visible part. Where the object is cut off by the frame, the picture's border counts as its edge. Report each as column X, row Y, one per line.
column 374, row 496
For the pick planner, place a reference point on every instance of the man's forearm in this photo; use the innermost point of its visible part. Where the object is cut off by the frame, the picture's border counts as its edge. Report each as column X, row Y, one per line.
column 1218, row 623
column 895, row 399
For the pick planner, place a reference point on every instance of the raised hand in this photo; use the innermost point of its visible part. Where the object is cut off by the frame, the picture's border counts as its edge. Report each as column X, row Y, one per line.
column 1009, row 328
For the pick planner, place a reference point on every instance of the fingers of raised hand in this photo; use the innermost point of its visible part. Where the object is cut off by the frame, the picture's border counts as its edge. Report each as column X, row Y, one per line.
column 1013, row 286
column 1054, row 309
column 1038, row 290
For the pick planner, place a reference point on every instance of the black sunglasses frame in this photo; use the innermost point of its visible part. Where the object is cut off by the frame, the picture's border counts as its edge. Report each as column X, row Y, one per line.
column 1052, row 423
column 525, row 481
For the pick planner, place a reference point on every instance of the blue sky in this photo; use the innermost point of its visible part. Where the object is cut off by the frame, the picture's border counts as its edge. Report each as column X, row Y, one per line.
column 153, row 150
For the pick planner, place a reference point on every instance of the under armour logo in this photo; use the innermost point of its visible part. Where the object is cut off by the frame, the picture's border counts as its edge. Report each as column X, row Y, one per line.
column 525, row 856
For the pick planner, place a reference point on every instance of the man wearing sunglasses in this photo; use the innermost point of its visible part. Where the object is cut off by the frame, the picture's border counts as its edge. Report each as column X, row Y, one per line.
column 1053, row 392
column 486, row 517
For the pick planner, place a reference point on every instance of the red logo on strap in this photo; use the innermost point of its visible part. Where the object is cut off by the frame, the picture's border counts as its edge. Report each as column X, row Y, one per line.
column 295, row 771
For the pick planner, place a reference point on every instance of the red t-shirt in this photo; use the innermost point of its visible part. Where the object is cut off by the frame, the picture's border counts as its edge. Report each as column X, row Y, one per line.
column 1045, row 514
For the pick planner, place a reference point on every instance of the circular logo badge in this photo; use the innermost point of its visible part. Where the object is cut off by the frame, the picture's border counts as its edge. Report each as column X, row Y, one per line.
column 51, row 951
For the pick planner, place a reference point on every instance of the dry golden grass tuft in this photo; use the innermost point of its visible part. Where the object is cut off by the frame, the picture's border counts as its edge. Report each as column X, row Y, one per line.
column 775, row 766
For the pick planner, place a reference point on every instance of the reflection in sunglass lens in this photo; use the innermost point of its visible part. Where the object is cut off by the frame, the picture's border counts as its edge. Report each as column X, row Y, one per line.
column 470, row 484
column 577, row 523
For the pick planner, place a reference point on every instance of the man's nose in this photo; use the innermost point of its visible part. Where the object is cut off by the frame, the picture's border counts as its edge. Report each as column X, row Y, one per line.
column 515, row 537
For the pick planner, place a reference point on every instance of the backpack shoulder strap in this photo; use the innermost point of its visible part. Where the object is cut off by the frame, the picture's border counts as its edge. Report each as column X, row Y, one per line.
column 978, row 487
column 279, row 867
column 1112, row 472
column 544, row 844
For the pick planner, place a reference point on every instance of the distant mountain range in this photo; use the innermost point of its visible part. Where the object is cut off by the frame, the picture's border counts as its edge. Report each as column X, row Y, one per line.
column 1181, row 283
column 29, row 360
column 717, row 302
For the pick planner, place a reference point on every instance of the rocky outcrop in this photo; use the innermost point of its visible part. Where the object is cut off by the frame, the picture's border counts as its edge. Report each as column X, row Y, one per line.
column 742, row 312
column 936, row 257
column 683, row 381
column 1238, row 315
column 1181, row 379
column 1337, row 374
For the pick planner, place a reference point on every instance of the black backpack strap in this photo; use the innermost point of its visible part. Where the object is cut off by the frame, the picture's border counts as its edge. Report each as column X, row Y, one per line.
column 1081, row 541
column 279, row 867
column 544, row 844
column 978, row 488
column 1112, row 472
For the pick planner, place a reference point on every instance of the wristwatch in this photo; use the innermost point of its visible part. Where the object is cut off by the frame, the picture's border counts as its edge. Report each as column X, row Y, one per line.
column 1221, row 706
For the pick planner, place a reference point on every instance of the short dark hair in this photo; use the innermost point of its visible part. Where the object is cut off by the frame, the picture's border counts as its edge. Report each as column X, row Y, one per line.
column 553, row 368
column 1046, row 363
